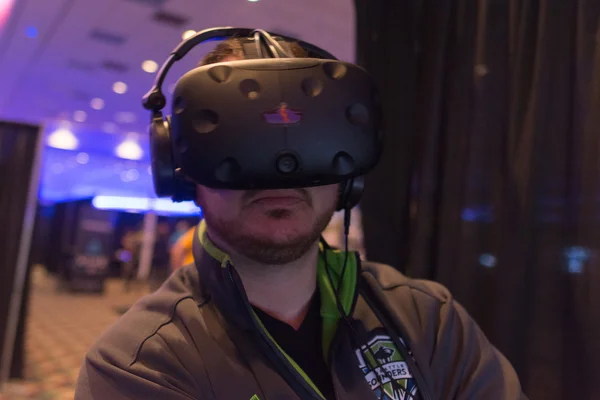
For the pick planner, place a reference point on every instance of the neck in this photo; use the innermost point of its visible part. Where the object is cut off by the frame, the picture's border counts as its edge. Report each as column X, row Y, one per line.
column 282, row 291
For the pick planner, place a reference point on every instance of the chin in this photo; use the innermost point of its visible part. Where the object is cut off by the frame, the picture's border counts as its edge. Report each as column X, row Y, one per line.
column 272, row 236
column 279, row 232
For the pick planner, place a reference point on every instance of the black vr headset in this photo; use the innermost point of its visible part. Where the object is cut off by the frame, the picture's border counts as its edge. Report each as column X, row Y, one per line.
column 270, row 121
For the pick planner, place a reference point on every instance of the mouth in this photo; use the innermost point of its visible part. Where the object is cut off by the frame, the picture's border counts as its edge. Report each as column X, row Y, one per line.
column 278, row 198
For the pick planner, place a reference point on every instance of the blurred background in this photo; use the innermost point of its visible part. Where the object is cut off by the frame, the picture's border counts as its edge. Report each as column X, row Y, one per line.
column 489, row 181
column 74, row 134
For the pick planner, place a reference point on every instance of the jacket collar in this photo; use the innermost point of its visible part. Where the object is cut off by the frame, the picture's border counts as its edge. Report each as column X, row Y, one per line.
column 220, row 280
column 224, row 285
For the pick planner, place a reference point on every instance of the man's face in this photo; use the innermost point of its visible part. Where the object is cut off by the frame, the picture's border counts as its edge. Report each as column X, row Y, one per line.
column 268, row 226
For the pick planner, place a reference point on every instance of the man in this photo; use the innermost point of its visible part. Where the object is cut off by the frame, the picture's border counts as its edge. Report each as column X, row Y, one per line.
column 161, row 257
column 181, row 228
column 263, row 314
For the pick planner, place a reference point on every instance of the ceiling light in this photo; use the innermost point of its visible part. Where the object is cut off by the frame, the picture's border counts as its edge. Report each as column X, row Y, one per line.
column 120, row 87
column 82, row 158
column 150, row 66
column 253, row 1
column 130, row 175
column 97, row 104
column 5, row 10
column 129, row 150
column 133, row 174
column 79, row 116
column 125, row 117
column 31, row 32
column 63, row 139
column 188, row 34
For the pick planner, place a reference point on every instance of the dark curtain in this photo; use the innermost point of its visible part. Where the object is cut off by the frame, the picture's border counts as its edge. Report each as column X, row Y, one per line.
column 490, row 179
column 17, row 367
column 18, row 147
column 40, row 245
column 61, row 244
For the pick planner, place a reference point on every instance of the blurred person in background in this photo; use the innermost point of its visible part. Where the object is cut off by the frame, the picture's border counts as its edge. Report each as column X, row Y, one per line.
column 128, row 254
column 160, row 256
column 181, row 227
column 181, row 251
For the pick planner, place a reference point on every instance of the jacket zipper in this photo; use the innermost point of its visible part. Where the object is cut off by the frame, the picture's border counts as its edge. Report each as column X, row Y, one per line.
column 301, row 386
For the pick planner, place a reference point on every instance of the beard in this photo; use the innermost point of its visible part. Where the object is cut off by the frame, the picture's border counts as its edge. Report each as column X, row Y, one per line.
column 265, row 250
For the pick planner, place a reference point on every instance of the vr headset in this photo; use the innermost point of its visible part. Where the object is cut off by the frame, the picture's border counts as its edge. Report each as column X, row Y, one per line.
column 270, row 121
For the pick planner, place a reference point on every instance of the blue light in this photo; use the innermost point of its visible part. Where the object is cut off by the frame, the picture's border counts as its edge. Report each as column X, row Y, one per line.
column 121, row 203
column 576, row 258
column 478, row 214
column 215, row 39
column 575, row 266
column 31, row 32
column 488, row 260
column 140, row 204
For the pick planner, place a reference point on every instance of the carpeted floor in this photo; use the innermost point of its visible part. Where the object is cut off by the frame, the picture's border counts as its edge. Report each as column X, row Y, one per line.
column 61, row 328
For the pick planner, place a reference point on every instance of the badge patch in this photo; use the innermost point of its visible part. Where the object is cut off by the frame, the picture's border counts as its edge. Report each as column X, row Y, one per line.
column 388, row 365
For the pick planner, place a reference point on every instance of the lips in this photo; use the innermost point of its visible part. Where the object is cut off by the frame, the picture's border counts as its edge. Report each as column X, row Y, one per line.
column 277, row 197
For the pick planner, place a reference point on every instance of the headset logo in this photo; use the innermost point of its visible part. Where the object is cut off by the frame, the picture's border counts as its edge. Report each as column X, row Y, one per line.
column 283, row 115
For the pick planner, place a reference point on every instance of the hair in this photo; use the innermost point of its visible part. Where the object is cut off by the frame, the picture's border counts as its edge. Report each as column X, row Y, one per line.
column 233, row 48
